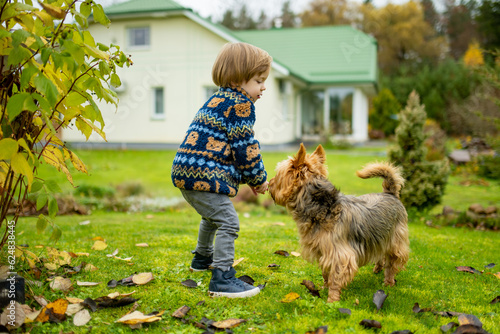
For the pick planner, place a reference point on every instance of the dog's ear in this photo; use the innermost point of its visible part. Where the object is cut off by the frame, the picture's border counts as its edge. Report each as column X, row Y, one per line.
column 320, row 153
column 300, row 157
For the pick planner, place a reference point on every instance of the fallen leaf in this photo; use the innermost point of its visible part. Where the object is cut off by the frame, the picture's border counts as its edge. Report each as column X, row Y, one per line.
column 90, row 303
column 311, row 287
column 81, row 318
column 73, row 309
column 282, row 253
column 495, row 300
column 143, row 244
column 290, row 297
column 116, row 302
column 138, row 317
column 90, row 267
column 41, row 300
column 51, row 266
column 228, row 323
column 189, row 283
column 54, row 312
column 99, row 245
column 142, row 278
column 73, row 300
column 181, row 312
column 82, row 254
column 497, row 275
column 379, row 299
column 113, row 254
column 469, row 319
column 469, row 329
column 468, row 269
column 368, row 323
column 87, row 283
column 98, row 238
column 406, row 331
column 489, row 266
column 15, row 316
column 236, row 262
column 279, row 224
column 273, row 265
column 60, row 283
column 345, row 311
column 85, row 222
column 295, row 254
column 448, row 326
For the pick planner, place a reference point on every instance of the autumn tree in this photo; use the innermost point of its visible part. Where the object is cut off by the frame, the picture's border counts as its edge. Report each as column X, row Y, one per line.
column 52, row 75
column 403, row 35
column 329, row 12
column 474, row 55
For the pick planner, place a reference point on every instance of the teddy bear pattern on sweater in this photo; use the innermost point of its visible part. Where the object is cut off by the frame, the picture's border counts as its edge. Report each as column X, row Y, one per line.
column 219, row 150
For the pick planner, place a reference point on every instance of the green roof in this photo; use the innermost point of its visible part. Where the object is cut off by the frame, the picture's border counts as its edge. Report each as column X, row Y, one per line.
column 320, row 55
column 143, row 6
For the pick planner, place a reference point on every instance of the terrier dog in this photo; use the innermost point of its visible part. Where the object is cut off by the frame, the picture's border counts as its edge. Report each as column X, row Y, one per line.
column 343, row 233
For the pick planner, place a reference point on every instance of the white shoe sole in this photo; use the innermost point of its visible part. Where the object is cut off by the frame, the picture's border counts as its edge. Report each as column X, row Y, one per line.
column 244, row 294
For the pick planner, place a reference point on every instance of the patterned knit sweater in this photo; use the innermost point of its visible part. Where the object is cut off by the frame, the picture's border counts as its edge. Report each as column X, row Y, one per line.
column 219, row 151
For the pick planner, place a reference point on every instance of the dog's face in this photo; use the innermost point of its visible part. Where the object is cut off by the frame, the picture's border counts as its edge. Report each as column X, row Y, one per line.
column 294, row 171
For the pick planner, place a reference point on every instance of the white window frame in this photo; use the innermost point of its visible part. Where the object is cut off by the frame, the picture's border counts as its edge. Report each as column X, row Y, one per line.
column 155, row 115
column 131, row 43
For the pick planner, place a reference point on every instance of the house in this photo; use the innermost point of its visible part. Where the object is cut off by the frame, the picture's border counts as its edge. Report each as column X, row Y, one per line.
column 319, row 85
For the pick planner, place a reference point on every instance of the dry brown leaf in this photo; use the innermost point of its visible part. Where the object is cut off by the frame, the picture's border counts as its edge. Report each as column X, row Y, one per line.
column 99, row 245
column 138, row 317
column 61, row 283
column 236, row 262
column 296, row 254
column 142, row 244
column 73, row 300
column 290, row 297
column 142, row 278
column 181, row 312
column 228, row 323
column 81, row 318
column 82, row 254
column 17, row 312
column 497, row 275
column 41, row 300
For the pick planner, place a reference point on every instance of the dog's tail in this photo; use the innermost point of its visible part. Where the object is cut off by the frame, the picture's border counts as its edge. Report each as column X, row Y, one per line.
column 393, row 181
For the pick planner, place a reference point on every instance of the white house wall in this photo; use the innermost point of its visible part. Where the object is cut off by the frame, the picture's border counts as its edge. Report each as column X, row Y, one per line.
column 180, row 60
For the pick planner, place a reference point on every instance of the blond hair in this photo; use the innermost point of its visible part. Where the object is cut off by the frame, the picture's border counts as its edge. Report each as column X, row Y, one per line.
column 239, row 62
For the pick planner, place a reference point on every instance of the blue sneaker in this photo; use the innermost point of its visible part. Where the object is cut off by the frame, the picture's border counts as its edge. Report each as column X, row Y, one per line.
column 225, row 284
column 200, row 262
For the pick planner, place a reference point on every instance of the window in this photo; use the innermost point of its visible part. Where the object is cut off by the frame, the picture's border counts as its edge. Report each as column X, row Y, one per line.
column 138, row 37
column 158, row 103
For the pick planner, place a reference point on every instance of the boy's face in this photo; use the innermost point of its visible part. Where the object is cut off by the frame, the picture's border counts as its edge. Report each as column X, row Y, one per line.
column 255, row 86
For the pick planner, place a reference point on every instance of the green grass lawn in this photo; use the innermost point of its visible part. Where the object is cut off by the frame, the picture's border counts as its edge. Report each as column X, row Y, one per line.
column 430, row 278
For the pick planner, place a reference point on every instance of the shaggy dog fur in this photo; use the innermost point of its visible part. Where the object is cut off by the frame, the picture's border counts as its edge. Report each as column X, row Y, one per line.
column 343, row 233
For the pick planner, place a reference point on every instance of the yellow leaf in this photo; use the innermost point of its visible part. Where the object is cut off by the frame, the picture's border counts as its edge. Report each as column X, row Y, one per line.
column 142, row 278
column 51, row 266
column 54, row 11
column 74, row 300
column 8, row 147
column 290, row 297
column 96, row 53
column 79, row 165
column 138, row 317
column 21, row 166
column 98, row 238
column 99, row 245
column 57, row 308
column 62, row 284
column 228, row 323
column 53, row 156
column 46, row 18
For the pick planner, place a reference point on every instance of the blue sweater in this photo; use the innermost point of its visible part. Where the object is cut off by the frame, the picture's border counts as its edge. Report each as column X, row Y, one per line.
column 219, row 150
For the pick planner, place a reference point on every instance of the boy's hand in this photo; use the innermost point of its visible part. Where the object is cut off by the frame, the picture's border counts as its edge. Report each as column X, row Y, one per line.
column 261, row 189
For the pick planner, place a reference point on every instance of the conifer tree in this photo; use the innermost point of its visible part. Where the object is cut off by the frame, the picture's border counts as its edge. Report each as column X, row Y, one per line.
column 425, row 180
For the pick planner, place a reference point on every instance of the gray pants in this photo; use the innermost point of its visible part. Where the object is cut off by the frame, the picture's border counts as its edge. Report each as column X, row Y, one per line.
column 219, row 221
